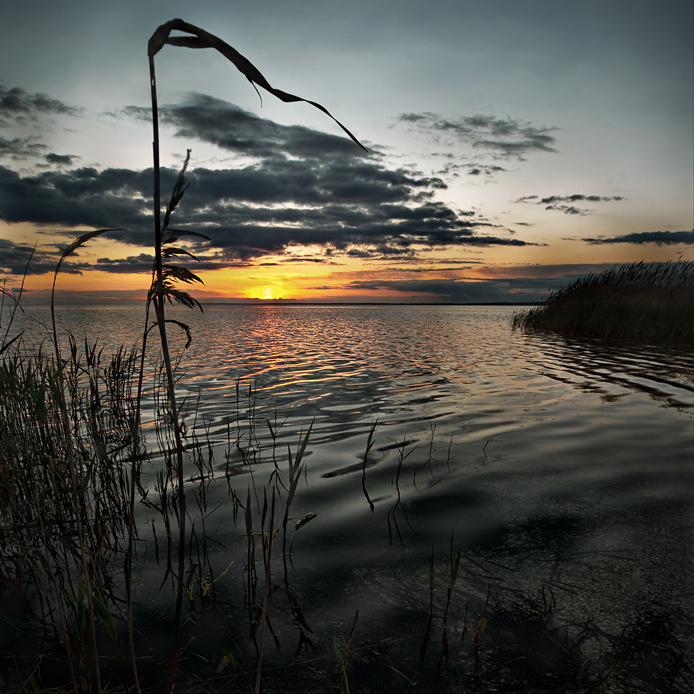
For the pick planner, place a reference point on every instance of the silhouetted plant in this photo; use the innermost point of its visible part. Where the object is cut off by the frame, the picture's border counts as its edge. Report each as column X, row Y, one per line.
column 645, row 302
column 166, row 274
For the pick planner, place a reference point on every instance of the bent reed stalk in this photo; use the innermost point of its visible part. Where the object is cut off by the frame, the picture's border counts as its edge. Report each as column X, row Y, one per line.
column 162, row 288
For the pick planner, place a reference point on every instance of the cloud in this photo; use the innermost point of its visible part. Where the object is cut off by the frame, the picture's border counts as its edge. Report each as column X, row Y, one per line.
column 504, row 138
column 60, row 159
column 15, row 257
column 558, row 203
column 20, row 148
column 19, row 108
column 567, row 209
column 660, row 238
column 565, row 272
column 296, row 187
column 458, row 291
column 80, row 197
column 18, row 105
column 553, row 199
column 472, row 169
column 483, row 169
column 221, row 123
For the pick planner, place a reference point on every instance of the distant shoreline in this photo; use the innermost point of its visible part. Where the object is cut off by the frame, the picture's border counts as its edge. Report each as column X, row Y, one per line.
column 369, row 303
column 299, row 304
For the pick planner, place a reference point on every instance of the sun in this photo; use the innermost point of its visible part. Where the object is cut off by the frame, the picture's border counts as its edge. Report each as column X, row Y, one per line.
column 268, row 292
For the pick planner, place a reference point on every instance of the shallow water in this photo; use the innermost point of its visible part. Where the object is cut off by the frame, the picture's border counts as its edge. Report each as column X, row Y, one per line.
column 561, row 469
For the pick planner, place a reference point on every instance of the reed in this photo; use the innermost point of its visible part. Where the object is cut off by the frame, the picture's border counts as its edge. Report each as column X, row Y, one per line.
column 72, row 447
column 63, row 450
column 164, row 274
column 642, row 302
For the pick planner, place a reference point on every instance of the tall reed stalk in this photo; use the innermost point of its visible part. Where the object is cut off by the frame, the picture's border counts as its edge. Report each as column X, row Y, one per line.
column 162, row 288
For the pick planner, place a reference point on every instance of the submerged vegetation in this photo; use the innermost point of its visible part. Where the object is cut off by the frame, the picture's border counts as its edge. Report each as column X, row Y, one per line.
column 644, row 302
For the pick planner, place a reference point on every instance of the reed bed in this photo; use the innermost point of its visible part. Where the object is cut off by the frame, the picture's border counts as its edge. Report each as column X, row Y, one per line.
column 79, row 525
column 641, row 302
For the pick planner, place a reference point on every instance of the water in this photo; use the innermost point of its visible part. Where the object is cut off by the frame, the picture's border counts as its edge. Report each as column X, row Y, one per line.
column 561, row 469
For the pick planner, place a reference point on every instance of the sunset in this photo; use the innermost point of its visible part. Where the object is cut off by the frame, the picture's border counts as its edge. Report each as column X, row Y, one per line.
column 347, row 347
column 512, row 147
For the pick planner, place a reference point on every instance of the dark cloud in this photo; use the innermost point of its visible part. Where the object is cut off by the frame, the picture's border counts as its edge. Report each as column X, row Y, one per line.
column 142, row 263
column 567, row 209
column 305, row 259
column 553, row 199
column 218, row 122
column 503, row 137
column 298, row 187
column 60, row 159
column 564, row 273
column 458, row 291
column 20, row 148
column 135, row 264
column 19, row 258
column 18, row 105
column 483, row 169
column 566, row 203
column 81, row 197
column 660, row 238
column 473, row 169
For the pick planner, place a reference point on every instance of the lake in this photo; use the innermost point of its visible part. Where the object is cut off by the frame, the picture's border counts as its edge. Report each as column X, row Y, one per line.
column 560, row 471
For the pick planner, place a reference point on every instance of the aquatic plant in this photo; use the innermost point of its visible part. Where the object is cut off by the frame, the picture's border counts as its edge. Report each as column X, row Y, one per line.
column 69, row 471
column 644, row 302
column 164, row 274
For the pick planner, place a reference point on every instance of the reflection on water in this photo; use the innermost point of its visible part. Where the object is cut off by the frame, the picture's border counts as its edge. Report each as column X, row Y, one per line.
column 666, row 375
column 563, row 470
column 376, row 359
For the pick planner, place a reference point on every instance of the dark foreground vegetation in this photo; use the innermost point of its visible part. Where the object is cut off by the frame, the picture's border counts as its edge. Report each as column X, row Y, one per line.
column 643, row 302
column 89, row 562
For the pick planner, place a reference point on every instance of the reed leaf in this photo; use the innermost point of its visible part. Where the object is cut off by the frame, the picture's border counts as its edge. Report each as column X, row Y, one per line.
column 79, row 241
column 185, row 328
column 180, row 274
column 7, row 344
column 171, row 294
column 203, row 39
column 173, row 234
column 168, row 252
column 103, row 613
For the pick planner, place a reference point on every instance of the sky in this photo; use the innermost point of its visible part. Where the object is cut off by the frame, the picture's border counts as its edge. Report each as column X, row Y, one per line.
column 513, row 145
